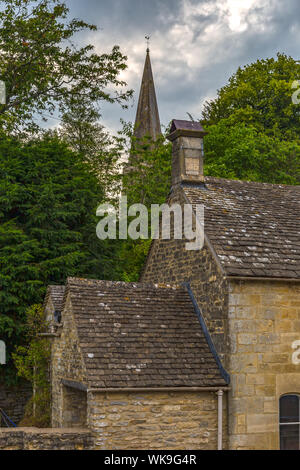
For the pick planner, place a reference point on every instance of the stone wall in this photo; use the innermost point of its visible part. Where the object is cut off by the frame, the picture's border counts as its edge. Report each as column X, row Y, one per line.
column 45, row 439
column 74, row 408
column 154, row 420
column 169, row 261
column 13, row 401
column 66, row 363
column 264, row 321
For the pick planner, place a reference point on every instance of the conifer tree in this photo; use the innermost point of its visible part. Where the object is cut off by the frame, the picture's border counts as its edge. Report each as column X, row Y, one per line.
column 48, row 202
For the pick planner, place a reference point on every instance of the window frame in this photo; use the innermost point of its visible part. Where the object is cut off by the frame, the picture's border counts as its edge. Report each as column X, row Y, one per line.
column 291, row 423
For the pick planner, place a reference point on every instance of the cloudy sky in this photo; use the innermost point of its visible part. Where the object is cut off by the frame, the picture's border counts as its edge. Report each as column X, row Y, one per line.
column 196, row 45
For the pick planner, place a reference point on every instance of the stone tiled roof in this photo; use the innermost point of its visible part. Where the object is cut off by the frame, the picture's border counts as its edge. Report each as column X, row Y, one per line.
column 140, row 335
column 56, row 293
column 254, row 227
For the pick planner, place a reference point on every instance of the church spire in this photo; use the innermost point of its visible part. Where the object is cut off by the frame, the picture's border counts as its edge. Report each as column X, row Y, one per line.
column 147, row 117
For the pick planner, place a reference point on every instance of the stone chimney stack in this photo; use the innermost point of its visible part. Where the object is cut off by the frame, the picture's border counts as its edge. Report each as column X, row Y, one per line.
column 187, row 160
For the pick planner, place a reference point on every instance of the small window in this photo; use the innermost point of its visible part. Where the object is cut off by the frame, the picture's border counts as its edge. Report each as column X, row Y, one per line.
column 290, row 422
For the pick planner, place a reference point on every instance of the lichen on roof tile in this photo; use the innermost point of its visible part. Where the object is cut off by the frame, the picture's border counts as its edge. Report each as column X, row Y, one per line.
column 152, row 340
column 249, row 219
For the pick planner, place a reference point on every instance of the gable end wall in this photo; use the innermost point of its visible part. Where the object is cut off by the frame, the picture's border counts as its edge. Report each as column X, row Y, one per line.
column 66, row 363
column 169, row 261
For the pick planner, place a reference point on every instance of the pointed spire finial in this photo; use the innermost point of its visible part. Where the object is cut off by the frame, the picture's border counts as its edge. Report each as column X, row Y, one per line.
column 148, row 42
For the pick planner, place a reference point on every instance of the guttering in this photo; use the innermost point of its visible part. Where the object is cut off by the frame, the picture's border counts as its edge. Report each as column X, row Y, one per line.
column 84, row 388
column 211, row 345
column 253, row 278
column 162, row 389
column 220, row 419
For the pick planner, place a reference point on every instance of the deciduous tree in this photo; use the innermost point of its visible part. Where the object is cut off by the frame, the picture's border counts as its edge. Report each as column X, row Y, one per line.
column 42, row 66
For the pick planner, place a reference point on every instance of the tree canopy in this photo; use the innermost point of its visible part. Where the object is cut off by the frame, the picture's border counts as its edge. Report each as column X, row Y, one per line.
column 81, row 129
column 254, row 125
column 146, row 180
column 48, row 201
column 238, row 151
column 42, row 67
column 260, row 94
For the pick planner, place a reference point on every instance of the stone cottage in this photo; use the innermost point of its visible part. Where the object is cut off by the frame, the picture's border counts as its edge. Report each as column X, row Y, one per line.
column 236, row 301
column 134, row 363
column 203, row 352
column 140, row 364
column 246, row 280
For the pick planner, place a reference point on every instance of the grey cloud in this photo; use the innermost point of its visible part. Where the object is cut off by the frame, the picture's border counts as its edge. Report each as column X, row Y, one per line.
column 193, row 51
column 126, row 14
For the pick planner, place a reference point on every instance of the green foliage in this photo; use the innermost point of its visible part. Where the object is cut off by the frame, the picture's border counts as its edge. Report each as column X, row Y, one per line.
column 131, row 258
column 242, row 152
column 147, row 175
column 48, row 201
column 254, row 126
column 32, row 364
column 38, row 411
column 42, row 67
column 260, row 94
column 146, row 180
column 81, row 130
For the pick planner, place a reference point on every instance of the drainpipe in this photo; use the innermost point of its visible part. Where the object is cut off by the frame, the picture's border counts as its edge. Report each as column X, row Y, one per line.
column 220, row 419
